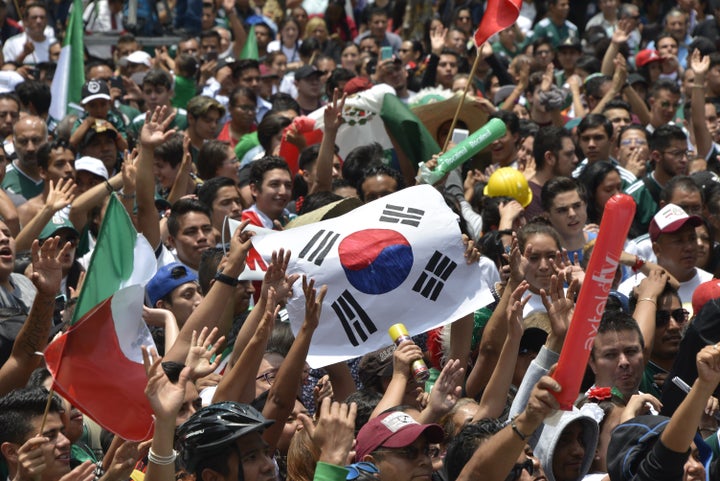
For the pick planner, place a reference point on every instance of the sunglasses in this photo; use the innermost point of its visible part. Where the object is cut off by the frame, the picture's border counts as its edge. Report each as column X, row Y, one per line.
column 361, row 470
column 662, row 318
column 516, row 470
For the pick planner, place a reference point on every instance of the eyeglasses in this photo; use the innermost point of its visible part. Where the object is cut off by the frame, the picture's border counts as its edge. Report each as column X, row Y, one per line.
column 15, row 115
column 678, row 154
column 543, row 52
column 357, row 470
column 411, row 453
column 516, row 470
column 269, row 376
column 662, row 318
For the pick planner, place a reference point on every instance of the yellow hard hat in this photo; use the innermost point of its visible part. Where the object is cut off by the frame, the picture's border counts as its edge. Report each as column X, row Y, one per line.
column 509, row 182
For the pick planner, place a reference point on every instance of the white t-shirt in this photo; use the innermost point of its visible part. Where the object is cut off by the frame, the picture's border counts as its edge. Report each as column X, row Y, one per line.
column 15, row 44
column 685, row 291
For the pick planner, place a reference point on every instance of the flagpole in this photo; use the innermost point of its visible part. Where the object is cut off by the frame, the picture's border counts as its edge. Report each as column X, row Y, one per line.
column 47, row 409
column 462, row 99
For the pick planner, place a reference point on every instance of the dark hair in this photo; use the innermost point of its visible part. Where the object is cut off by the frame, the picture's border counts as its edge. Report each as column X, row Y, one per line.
column 592, row 176
column 462, row 447
column 366, row 401
column 557, row 186
column 537, row 226
column 210, row 158
column 317, row 200
column 668, row 291
column 171, row 151
column 18, row 409
column 680, row 182
column 45, row 151
column 594, row 85
column 269, row 127
column 34, row 5
column 510, row 119
column 548, row 139
column 308, row 46
column 359, row 159
column 618, row 321
column 241, row 92
column 528, row 128
column 662, row 137
column 158, row 77
column 663, row 84
column 339, row 75
column 306, row 161
column 588, row 63
column 182, row 207
column 266, row 164
column 206, row 193
column 617, row 104
column 637, row 127
column 11, row 96
column 380, row 169
column 282, row 101
column 35, row 93
column 591, row 121
column 209, row 262
column 244, row 64
column 210, row 34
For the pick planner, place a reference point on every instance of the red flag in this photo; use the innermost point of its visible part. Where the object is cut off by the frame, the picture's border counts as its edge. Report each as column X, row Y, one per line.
column 499, row 15
column 97, row 365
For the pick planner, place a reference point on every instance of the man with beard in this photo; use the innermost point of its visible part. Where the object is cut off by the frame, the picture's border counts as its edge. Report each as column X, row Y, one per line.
column 23, row 175
column 56, row 163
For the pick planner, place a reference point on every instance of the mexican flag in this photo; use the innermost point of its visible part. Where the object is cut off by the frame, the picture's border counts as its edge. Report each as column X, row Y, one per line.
column 121, row 258
column 373, row 115
column 97, row 365
column 499, row 15
column 69, row 75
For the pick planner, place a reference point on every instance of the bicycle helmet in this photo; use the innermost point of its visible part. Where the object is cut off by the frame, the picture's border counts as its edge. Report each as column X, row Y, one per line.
column 214, row 427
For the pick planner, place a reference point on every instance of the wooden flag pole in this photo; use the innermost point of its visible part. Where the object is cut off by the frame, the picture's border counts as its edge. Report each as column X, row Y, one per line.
column 462, row 100
column 47, row 409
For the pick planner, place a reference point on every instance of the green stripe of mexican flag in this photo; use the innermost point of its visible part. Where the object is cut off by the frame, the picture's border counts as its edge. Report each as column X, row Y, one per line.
column 121, row 258
column 69, row 74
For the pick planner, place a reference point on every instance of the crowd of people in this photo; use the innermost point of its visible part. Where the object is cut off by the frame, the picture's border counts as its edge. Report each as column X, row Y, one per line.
column 598, row 99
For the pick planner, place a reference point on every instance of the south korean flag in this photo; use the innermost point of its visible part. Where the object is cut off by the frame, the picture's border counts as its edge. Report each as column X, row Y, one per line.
column 397, row 259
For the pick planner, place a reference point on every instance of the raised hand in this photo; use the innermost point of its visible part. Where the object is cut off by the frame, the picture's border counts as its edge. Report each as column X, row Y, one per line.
column 403, row 357
column 515, row 310
column 437, row 40
column 518, row 262
column 699, row 63
column 202, row 349
column 560, row 305
column 276, row 277
column 165, row 397
column 61, row 194
column 155, row 130
column 333, row 112
column 32, row 459
column 472, row 254
column 47, row 265
column 335, row 430
column 313, row 302
column 708, row 365
column 447, row 389
column 240, row 244
column 542, row 403
column 129, row 171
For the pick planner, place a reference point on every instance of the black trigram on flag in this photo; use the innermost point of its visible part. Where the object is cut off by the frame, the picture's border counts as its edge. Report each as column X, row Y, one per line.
column 433, row 278
column 319, row 246
column 403, row 215
column 353, row 318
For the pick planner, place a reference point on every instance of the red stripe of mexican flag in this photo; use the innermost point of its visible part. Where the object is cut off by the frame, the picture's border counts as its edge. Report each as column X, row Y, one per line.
column 97, row 365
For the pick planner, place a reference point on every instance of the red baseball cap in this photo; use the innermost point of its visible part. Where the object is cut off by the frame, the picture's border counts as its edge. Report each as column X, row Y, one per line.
column 394, row 430
column 707, row 291
column 646, row 56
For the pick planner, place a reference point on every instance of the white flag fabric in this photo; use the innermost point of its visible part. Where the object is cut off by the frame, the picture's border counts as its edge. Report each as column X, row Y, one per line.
column 399, row 259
